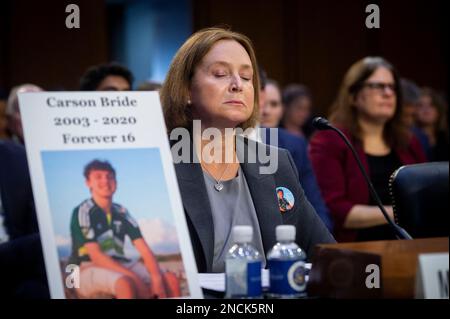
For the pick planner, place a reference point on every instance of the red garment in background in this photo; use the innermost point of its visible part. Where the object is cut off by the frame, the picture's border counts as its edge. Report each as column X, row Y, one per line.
column 340, row 180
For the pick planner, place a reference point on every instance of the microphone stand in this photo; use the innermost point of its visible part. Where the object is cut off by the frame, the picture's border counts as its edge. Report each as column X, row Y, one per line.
column 323, row 124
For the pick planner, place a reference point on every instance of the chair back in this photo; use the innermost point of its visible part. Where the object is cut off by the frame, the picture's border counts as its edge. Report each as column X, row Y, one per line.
column 420, row 199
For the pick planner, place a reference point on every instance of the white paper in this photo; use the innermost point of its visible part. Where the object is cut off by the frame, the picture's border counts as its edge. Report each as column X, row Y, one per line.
column 64, row 131
column 432, row 276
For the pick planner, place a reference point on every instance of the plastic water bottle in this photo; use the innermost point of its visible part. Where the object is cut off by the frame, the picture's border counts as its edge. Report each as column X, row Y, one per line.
column 286, row 262
column 243, row 266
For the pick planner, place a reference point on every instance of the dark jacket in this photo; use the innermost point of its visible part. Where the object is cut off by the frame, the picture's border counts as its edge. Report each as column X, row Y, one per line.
column 15, row 191
column 310, row 228
column 21, row 258
column 340, row 179
column 298, row 148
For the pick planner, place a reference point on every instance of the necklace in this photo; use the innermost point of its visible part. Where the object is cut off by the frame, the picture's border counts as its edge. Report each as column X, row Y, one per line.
column 218, row 186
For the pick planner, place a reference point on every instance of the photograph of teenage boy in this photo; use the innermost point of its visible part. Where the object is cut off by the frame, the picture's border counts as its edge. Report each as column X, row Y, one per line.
column 283, row 202
column 98, row 230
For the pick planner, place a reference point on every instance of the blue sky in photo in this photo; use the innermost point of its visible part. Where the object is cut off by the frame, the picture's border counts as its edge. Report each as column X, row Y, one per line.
column 141, row 186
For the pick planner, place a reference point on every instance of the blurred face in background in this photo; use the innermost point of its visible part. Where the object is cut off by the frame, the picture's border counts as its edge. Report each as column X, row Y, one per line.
column 15, row 119
column 409, row 113
column 299, row 111
column 376, row 100
column 272, row 110
column 427, row 113
column 222, row 93
column 262, row 99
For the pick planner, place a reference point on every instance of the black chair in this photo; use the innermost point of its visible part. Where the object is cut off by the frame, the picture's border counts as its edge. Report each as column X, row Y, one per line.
column 420, row 199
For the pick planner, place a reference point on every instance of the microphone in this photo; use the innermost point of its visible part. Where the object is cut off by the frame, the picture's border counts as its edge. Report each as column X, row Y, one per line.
column 322, row 124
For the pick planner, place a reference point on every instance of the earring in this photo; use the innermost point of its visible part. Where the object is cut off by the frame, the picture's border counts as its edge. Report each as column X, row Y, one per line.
column 189, row 102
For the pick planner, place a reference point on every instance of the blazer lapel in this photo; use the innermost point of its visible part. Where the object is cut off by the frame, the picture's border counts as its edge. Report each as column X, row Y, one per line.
column 197, row 206
column 262, row 188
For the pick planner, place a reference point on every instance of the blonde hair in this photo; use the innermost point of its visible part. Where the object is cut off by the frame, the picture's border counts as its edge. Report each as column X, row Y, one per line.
column 175, row 90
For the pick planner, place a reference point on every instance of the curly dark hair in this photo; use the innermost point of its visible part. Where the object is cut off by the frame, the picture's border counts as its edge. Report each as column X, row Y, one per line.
column 92, row 78
column 98, row 165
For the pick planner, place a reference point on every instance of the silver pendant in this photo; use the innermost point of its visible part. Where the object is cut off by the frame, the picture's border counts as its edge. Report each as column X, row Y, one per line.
column 218, row 187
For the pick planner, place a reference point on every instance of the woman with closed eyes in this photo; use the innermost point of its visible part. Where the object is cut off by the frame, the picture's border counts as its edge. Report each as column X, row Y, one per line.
column 214, row 79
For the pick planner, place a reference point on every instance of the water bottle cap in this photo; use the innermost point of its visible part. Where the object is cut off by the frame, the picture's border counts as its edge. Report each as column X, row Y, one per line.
column 285, row 233
column 242, row 234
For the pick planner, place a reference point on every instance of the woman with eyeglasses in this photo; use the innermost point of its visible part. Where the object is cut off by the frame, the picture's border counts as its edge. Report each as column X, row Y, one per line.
column 368, row 110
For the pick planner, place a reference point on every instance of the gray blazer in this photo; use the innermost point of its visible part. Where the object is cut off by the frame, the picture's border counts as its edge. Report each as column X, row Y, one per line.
column 310, row 229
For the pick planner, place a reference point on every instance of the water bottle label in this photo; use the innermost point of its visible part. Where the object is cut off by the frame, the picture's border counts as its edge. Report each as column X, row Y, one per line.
column 287, row 276
column 243, row 279
column 254, row 279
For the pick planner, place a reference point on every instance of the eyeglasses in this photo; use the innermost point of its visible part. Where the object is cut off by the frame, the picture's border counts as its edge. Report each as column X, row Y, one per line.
column 380, row 86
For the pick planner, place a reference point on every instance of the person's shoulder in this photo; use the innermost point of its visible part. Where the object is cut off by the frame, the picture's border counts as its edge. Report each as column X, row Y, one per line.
column 260, row 151
column 329, row 138
column 124, row 214
column 417, row 149
column 85, row 207
column 13, row 163
column 327, row 135
column 290, row 138
column 254, row 146
column 11, row 150
column 120, row 208
column 413, row 139
column 81, row 214
column 11, row 147
column 418, row 132
column 267, row 150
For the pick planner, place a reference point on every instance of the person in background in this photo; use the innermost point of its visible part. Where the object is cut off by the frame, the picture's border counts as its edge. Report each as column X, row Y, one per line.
column 107, row 77
column 256, row 131
column 297, row 103
column 214, row 78
column 368, row 109
column 271, row 108
column 21, row 258
column 271, row 112
column 4, row 134
column 411, row 98
column 13, row 111
column 432, row 120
